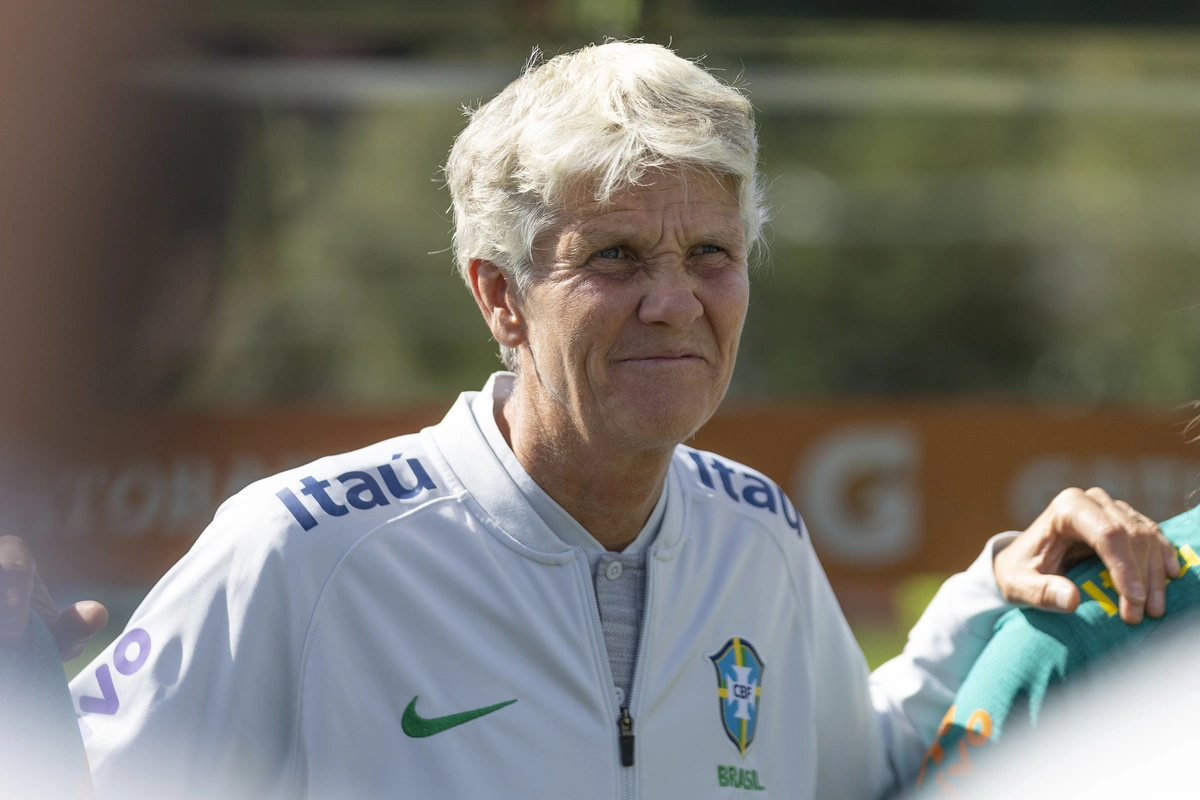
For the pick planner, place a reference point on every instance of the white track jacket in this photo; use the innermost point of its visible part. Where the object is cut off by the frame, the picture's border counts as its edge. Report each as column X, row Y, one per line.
column 397, row 622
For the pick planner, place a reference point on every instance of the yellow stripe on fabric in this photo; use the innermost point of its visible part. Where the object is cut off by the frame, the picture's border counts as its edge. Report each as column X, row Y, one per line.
column 1190, row 559
column 1097, row 594
column 737, row 651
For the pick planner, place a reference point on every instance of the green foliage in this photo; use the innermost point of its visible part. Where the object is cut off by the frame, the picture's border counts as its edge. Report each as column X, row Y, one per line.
column 881, row 641
column 1040, row 250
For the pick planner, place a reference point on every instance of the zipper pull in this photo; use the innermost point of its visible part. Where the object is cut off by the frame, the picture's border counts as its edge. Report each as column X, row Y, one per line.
column 625, row 726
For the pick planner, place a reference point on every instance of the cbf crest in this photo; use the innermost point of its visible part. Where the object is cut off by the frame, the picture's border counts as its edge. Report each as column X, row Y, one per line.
column 739, row 686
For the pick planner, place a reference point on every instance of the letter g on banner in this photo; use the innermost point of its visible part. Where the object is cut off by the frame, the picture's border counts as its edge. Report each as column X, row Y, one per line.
column 858, row 485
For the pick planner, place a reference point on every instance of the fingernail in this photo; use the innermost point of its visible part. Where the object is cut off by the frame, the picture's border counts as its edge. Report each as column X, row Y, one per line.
column 1062, row 598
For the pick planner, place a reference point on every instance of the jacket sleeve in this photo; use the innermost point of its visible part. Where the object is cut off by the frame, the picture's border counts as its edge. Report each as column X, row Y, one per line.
column 915, row 688
column 872, row 730
column 196, row 697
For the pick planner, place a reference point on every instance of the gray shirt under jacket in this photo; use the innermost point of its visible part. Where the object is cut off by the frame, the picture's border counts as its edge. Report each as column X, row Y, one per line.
column 619, row 578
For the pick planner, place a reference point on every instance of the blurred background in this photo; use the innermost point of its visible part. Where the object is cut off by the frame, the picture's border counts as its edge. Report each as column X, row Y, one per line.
column 226, row 252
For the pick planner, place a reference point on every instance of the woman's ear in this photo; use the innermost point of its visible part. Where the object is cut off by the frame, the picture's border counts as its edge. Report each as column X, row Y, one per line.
column 496, row 297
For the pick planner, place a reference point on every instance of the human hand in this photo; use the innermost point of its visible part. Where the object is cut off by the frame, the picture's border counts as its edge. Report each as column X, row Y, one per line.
column 1075, row 524
column 21, row 588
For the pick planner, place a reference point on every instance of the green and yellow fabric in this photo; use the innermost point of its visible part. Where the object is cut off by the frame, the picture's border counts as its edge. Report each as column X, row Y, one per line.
column 1033, row 650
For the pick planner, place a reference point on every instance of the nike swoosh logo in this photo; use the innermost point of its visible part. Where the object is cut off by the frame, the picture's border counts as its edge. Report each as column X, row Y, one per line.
column 418, row 727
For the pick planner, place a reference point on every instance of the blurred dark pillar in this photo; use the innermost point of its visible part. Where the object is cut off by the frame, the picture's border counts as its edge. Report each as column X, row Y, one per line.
column 112, row 201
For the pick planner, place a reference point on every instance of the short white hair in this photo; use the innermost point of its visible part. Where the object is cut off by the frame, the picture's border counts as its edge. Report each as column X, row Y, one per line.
column 602, row 116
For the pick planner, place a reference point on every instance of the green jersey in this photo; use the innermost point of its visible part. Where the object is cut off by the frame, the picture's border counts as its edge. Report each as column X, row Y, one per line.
column 1032, row 650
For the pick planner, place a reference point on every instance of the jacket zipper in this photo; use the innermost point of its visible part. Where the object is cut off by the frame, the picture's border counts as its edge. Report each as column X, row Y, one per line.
column 625, row 722
column 625, row 726
column 625, row 735
column 606, row 671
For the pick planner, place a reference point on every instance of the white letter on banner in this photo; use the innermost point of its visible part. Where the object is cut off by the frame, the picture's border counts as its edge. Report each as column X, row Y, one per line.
column 861, row 501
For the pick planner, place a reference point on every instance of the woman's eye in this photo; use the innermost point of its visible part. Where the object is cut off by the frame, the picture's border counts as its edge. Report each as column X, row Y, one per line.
column 609, row 252
column 709, row 249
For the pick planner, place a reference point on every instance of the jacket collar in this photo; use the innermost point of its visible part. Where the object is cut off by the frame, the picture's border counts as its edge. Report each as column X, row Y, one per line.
column 462, row 440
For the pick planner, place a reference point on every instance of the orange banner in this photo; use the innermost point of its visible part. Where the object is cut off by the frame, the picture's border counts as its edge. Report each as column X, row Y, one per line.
column 892, row 489
column 886, row 489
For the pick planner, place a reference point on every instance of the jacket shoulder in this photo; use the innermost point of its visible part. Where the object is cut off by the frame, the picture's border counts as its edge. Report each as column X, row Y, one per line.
column 318, row 511
column 735, row 487
column 361, row 487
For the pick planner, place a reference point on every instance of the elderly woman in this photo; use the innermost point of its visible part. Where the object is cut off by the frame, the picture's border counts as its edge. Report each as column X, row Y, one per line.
column 547, row 594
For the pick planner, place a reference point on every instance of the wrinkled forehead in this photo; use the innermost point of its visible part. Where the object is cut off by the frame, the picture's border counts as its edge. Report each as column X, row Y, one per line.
column 706, row 203
column 582, row 195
